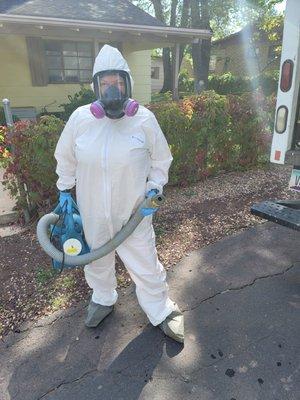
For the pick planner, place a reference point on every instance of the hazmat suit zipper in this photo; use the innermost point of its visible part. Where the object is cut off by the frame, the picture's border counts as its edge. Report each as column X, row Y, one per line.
column 107, row 183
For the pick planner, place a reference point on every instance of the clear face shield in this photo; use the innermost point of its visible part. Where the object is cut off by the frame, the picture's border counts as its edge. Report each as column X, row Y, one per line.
column 113, row 89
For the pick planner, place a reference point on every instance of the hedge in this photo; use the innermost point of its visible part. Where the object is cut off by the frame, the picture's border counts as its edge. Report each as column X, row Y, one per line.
column 210, row 132
column 206, row 133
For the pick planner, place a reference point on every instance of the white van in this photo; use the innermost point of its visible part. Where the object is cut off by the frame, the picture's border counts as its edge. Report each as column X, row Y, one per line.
column 286, row 138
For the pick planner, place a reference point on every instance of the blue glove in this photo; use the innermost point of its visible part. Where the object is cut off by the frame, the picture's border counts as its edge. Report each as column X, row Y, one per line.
column 65, row 201
column 151, row 193
column 149, row 211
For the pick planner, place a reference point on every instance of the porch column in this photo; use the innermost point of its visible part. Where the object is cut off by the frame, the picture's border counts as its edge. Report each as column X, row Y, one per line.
column 175, row 72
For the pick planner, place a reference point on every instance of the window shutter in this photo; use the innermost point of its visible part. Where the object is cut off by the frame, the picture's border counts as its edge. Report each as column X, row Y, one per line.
column 37, row 61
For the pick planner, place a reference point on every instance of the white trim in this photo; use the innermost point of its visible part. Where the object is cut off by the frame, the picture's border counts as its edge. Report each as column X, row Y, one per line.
column 163, row 30
column 282, row 142
column 176, row 71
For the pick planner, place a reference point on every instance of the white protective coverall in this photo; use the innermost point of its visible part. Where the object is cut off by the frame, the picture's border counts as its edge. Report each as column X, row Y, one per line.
column 113, row 164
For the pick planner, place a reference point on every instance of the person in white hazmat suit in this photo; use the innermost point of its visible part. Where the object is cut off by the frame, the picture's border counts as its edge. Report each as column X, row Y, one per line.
column 115, row 160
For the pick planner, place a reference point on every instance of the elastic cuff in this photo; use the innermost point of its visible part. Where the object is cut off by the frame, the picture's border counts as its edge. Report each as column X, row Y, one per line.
column 170, row 307
column 105, row 300
column 152, row 185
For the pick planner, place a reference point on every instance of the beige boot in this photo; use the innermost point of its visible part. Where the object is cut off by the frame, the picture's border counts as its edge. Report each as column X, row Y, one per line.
column 96, row 313
column 173, row 325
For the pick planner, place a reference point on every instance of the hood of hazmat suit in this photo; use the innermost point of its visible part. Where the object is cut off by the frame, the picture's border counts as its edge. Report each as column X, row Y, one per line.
column 109, row 58
column 114, row 163
column 112, row 84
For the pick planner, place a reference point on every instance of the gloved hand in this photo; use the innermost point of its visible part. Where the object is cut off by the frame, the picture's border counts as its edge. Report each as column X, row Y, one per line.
column 149, row 211
column 152, row 193
column 65, row 201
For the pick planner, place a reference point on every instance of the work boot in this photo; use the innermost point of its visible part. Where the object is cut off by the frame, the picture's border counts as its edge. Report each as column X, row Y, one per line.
column 96, row 313
column 173, row 325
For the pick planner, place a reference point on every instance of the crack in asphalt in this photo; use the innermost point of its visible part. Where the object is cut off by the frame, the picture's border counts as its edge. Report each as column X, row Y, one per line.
column 240, row 287
column 52, row 322
column 183, row 378
column 183, row 310
column 31, row 328
column 67, row 383
column 73, row 380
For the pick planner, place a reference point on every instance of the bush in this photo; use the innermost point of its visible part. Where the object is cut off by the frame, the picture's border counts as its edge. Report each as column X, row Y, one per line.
column 185, row 83
column 81, row 98
column 4, row 148
column 267, row 81
column 160, row 97
column 176, row 124
column 228, row 83
column 209, row 133
column 231, row 84
column 30, row 161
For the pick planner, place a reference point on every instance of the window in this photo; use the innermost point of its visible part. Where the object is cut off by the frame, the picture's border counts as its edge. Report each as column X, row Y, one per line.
column 154, row 72
column 69, row 62
column 212, row 63
column 226, row 64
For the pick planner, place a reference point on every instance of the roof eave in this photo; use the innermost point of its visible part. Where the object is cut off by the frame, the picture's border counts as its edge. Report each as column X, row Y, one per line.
column 130, row 28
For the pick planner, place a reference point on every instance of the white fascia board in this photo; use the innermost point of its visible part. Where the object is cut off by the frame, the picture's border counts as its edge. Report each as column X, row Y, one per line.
column 159, row 30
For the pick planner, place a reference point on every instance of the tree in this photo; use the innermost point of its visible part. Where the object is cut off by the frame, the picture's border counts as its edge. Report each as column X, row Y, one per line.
column 203, row 14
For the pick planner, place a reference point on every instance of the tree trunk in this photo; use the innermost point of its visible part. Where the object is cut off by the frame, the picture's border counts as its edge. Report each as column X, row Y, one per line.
column 184, row 24
column 167, row 85
column 158, row 9
column 168, row 54
column 201, row 50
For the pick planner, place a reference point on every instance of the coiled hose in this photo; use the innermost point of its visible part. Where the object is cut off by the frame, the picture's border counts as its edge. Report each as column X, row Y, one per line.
column 52, row 218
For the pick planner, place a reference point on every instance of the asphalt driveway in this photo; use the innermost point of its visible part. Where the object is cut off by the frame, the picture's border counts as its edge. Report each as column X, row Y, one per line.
column 241, row 301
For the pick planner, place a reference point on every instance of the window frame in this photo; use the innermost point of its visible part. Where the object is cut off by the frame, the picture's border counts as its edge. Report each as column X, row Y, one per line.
column 155, row 69
column 61, row 56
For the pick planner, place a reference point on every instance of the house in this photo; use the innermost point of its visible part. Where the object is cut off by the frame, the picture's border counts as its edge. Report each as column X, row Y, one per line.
column 157, row 72
column 47, row 48
column 245, row 53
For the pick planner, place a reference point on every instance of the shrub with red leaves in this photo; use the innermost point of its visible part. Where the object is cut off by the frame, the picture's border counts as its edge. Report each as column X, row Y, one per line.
column 30, row 164
column 209, row 133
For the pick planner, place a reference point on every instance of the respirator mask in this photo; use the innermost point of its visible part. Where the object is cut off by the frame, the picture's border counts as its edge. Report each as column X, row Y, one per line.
column 113, row 92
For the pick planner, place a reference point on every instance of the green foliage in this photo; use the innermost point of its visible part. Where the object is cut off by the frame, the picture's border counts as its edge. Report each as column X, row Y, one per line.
column 81, row 98
column 160, row 97
column 185, row 83
column 207, row 133
column 4, row 148
column 211, row 132
column 44, row 275
column 267, row 81
column 31, row 161
column 176, row 124
column 270, row 27
column 225, row 16
column 228, row 83
column 231, row 84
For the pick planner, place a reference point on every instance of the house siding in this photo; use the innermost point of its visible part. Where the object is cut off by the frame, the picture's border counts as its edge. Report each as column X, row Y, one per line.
column 16, row 85
column 157, row 84
column 140, row 66
column 240, row 62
